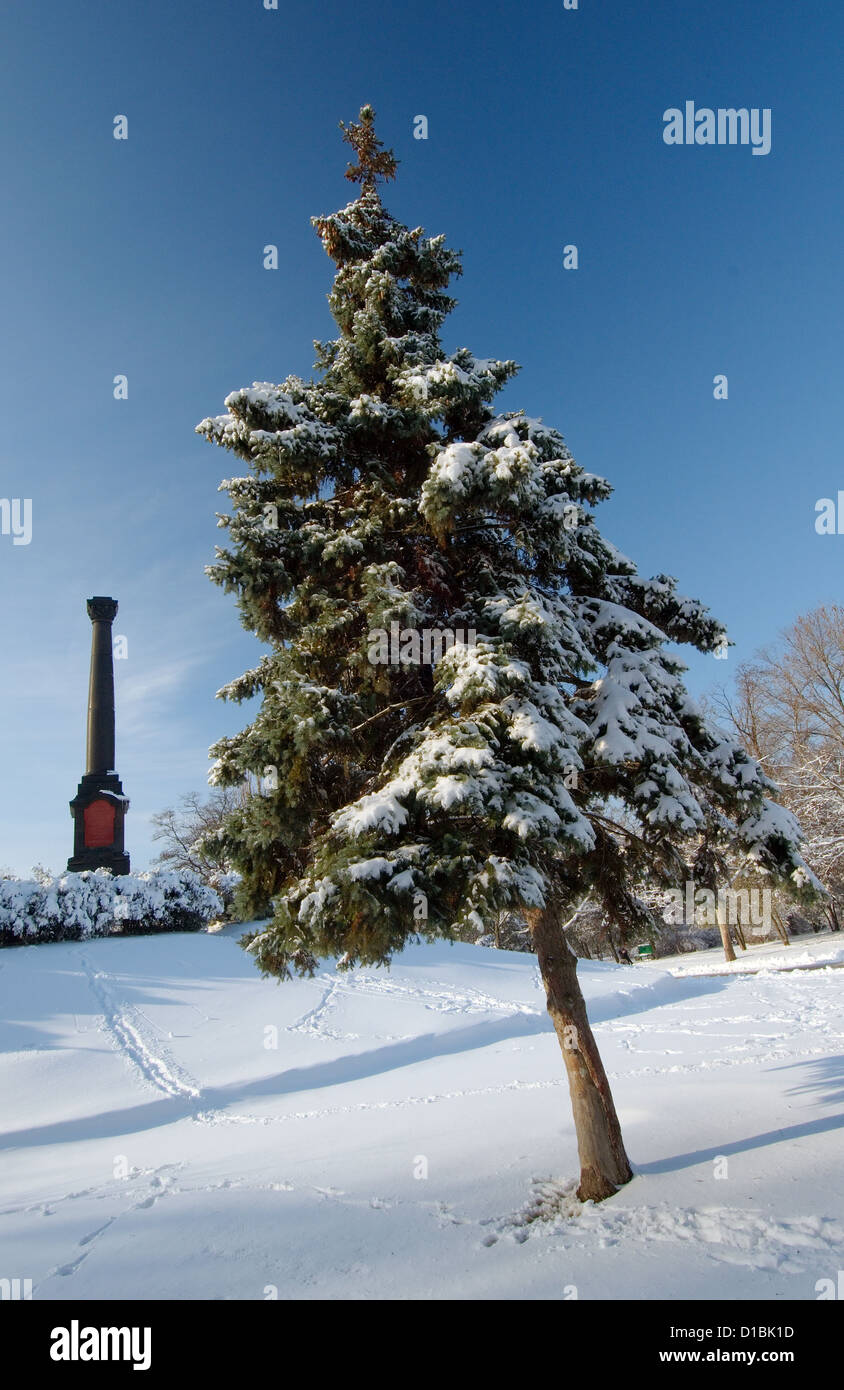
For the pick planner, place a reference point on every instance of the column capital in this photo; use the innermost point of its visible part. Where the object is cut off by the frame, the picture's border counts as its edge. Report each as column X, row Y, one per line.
column 102, row 610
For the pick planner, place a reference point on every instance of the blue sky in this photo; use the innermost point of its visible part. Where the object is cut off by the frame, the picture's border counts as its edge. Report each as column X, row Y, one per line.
column 144, row 257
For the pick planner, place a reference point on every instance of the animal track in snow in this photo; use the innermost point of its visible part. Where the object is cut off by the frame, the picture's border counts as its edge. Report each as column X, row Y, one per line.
column 313, row 1022
column 131, row 1034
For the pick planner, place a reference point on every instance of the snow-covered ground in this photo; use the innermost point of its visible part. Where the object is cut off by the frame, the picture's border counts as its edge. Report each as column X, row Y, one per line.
column 802, row 953
column 178, row 1127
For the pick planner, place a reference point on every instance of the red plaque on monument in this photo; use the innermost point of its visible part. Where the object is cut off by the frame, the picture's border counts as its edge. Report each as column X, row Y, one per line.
column 99, row 824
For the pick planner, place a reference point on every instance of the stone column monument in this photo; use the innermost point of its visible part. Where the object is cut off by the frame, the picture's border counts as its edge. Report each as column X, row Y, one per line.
column 99, row 807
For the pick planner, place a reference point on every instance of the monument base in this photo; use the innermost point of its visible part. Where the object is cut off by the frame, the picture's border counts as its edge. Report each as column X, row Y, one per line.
column 99, row 859
column 99, row 810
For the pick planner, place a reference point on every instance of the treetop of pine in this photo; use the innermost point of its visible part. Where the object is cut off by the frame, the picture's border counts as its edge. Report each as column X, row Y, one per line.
column 374, row 161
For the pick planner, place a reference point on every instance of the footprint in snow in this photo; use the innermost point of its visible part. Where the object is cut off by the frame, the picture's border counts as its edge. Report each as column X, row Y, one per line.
column 92, row 1235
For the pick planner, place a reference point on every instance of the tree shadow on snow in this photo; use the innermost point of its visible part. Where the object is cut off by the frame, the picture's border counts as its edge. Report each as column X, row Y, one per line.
column 823, row 1077
column 338, row 1071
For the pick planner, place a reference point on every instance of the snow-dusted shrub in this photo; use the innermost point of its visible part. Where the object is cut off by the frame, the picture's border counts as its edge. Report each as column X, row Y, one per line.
column 800, row 925
column 510, row 932
column 675, row 941
column 225, row 886
column 73, row 907
column 21, row 910
column 165, row 900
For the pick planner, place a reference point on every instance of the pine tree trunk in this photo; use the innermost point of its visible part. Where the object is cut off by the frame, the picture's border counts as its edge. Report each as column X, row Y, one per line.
column 611, row 943
column 604, row 1166
column 729, row 953
column 778, row 923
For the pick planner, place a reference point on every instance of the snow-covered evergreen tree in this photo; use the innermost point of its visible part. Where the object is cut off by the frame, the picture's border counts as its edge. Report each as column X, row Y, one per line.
column 405, row 797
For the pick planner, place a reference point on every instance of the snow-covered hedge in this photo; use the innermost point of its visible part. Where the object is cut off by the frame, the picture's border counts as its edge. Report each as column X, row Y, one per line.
column 95, row 903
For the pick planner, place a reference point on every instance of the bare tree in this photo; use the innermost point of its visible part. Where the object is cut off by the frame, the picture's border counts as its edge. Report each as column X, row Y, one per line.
column 788, row 709
column 189, row 831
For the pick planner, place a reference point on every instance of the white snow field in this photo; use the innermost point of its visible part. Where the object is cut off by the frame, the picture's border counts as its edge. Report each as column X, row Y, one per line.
column 409, row 1135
